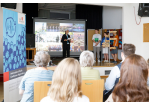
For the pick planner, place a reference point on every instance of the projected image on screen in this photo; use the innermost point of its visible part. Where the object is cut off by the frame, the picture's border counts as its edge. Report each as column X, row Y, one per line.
column 48, row 36
column 78, row 27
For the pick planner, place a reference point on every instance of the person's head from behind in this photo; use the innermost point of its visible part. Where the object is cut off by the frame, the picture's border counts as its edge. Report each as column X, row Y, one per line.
column 133, row 80
column 41, row 59
column 66, row 81
column 127, row 50
column 106, row 33
column 96, row 31
column 86, row 59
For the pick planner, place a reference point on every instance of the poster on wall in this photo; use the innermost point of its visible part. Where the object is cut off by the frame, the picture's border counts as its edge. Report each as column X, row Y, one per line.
column 14, row 53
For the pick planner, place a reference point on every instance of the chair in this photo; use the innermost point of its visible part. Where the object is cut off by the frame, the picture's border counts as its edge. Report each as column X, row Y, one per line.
column 41, row 89
column 93, row 89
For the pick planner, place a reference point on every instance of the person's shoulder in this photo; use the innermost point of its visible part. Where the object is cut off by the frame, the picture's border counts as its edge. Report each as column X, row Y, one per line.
column 115, row 68
column 30, row 71
column 46, row 99
column 95, row 70
column 85, row 98
column 51, row 71
column 81, row 99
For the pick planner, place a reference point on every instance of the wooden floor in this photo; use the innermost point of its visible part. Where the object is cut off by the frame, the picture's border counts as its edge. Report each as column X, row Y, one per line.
column 105, row 64
column 97, row 64
column 1, row 91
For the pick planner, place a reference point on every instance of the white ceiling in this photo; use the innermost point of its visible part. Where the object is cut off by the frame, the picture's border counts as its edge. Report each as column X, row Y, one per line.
column 66, row 7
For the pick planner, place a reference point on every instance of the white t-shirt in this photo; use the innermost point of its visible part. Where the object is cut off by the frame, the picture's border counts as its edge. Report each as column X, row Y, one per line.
column 96, row 37
column 76, row 99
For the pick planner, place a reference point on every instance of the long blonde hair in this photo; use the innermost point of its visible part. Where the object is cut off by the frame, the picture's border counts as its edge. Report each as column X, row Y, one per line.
column 66, row 81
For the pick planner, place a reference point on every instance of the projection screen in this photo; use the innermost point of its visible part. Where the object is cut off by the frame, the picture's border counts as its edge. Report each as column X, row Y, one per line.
column 48, row 34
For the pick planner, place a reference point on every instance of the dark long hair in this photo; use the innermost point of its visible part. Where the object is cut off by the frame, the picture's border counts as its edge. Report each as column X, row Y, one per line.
column 133, row 81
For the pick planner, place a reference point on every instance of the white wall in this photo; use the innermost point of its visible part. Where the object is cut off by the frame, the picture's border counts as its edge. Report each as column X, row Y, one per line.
column 112, row 17
column 133, row 33
column 18, row 9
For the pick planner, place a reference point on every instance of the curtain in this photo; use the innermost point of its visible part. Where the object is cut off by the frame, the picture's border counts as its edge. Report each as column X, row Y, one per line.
column 92, row 13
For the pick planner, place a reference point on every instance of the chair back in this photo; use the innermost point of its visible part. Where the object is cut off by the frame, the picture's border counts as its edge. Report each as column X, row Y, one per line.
column 93, row 89
column 41, row 89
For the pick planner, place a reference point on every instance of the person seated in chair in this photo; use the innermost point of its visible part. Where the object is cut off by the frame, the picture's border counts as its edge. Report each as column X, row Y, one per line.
column 66, row 83
column 114, row 75
column 148, row 73
column 86, row 62
column 132, row 86
column 40, row 73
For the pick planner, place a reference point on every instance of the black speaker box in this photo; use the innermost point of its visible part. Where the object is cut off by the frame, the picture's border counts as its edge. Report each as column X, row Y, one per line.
column 30, row 40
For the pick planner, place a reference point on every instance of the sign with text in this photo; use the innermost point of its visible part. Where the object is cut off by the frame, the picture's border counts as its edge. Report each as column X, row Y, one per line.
column 14, row 53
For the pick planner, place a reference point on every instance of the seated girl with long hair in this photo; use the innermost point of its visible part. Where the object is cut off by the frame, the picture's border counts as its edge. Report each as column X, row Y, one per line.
column 66, row 83
column 132, row 86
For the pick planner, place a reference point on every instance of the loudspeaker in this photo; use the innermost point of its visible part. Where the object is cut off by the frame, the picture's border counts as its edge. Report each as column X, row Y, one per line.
column 143, row 9
column 30, row 40
column 9, row 5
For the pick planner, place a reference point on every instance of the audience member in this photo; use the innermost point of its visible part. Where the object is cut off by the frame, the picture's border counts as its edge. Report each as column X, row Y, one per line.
column 132, row 86
column 41, row 73
column 148, row 72
column 66, row 83
column 114, row 75
column 86, row 62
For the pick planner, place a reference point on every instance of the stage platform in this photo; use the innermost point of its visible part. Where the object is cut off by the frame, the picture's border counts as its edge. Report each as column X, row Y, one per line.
column 56, row 60
column 103, row 67
column 105, row 64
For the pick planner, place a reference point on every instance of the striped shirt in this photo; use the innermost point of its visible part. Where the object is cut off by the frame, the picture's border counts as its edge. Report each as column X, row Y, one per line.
column 27, row 82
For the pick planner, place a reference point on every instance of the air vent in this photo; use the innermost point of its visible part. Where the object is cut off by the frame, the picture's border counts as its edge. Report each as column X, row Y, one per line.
column 107, row 72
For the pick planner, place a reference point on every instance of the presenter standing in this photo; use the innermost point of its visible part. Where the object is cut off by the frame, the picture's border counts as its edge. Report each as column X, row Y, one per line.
column 114, row 51
column 66, row 44
column 105, row 49
column 96, row 44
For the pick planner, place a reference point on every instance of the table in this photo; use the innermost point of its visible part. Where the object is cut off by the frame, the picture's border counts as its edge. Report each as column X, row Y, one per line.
column 27, row 54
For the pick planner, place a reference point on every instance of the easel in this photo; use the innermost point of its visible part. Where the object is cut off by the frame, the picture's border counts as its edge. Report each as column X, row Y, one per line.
column 107, row 43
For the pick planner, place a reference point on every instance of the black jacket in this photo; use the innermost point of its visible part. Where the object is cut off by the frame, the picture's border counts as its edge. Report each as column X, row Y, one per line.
column 65, row 37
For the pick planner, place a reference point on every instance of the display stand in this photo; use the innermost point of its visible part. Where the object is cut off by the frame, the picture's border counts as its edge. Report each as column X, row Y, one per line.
column 107, row 43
